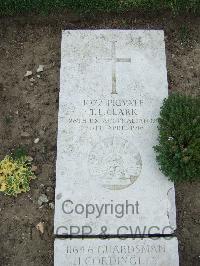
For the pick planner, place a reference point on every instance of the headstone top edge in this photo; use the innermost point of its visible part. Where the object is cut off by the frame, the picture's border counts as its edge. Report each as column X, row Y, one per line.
column 153, row 31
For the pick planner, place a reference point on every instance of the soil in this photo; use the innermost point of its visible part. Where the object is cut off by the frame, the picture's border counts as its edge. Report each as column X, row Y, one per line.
column 32, row 107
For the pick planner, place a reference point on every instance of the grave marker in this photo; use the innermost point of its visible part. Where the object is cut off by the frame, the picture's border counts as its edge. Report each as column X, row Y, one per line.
column 140, row 252
column 113, row 83
column 107, row 179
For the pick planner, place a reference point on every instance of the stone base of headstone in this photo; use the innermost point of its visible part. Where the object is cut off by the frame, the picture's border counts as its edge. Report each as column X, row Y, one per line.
column 143, row 252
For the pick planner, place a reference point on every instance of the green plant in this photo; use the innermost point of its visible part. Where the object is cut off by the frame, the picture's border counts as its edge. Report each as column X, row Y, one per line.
column 178, row 151
column 15, row 173
column 184, row 34
column 8, row 120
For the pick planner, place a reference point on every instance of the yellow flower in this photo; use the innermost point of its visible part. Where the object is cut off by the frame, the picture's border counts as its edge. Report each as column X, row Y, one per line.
column 2, row 177
column 3, row 187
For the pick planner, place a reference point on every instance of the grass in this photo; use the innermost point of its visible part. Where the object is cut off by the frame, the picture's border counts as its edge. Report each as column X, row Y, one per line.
column 11, row 7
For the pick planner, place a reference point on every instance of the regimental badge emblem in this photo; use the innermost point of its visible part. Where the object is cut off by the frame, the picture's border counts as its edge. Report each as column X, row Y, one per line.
column 115, row 162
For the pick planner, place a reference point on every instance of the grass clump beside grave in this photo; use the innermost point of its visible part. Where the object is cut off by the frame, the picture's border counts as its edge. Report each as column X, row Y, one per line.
column 178, row 151
column 15, row 174
column 10, row 7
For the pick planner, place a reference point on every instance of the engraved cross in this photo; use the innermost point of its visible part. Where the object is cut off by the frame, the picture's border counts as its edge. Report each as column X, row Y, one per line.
column 115, row 60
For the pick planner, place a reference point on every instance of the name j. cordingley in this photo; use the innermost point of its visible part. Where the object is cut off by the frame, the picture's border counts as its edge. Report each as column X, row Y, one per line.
column 97, row 210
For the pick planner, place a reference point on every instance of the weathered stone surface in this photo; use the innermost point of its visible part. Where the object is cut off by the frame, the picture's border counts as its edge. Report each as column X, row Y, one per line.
column 144, row 252
column 112, row 84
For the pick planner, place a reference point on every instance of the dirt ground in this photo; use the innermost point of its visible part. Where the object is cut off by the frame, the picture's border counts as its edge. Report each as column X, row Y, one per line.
column 32, row 107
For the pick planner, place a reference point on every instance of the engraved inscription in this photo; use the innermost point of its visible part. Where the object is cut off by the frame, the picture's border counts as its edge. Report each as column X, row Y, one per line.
column 120, row 255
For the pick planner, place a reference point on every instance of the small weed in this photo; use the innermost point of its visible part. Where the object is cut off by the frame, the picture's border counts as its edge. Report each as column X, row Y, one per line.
column 19, row 153
column 184, row 34
column 8, row 120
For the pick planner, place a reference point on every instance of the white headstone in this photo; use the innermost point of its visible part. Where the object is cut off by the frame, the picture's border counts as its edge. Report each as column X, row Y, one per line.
column 112, row 84
column 129, row 252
